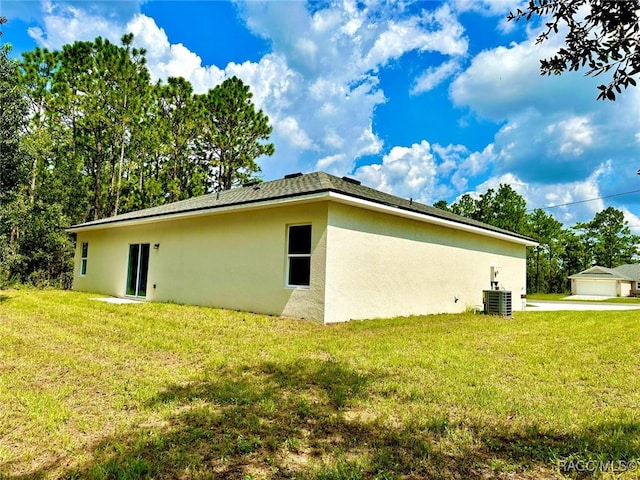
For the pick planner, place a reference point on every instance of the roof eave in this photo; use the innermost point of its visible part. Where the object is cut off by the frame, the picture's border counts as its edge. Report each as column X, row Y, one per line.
column 197, row 212
column 611, row 277
column 306, row 197
column 424, row 217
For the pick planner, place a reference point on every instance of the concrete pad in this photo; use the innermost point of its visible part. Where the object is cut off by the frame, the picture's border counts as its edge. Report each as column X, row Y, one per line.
column 587, row 297
column 117, row 301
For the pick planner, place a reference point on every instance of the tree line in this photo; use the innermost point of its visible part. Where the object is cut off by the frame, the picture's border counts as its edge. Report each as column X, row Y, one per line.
column 606, row 240
column 85, row 134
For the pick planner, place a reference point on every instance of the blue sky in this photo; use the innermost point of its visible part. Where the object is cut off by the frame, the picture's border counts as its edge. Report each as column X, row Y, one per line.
column 428, row 100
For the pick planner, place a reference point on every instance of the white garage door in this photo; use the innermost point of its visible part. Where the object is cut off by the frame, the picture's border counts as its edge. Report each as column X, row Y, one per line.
column 595, row 287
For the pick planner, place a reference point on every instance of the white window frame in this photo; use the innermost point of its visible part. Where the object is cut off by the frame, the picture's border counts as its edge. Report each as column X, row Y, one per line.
column 84, row 258
column 297, row 255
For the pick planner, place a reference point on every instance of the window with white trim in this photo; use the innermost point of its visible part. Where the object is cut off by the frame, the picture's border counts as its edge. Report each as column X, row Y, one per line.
column 84, row 257
column 299, row 256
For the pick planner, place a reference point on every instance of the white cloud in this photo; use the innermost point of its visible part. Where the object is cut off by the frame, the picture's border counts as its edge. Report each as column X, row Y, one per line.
column 171, row 60
column 428, row 173
column 290, row 129
column 434, row 76
column 327, row 163
column 405, row 171
column 65, row 24
column 271, row 81
column 494, row 183
column 554, row 132
column 421, row 171
column 493, row 8
column 335, row 67
column 148, row 35
column 586, row 198
column 437, row 31
column 632, row 219
column 472, row 166
column 573, row 134
column 572, row 202
column 534, row 145
column 507, row 79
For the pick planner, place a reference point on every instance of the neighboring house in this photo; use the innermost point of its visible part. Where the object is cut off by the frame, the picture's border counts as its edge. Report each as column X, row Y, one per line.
column 608, row 282
column 310, row 246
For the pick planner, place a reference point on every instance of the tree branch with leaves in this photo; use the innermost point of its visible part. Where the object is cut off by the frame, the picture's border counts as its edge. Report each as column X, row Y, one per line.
column 602, row 36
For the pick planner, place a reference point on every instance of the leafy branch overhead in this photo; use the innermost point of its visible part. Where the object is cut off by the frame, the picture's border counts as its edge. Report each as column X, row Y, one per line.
column 601, row 36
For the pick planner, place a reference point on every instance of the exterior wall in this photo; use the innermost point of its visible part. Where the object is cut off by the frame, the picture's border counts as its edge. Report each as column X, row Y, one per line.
column 364, row 264
column 625, row 289
column 233, row 260
column 380, row 265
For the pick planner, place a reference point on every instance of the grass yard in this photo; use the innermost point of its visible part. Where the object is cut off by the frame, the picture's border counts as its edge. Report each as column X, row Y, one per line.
column 94, row 390
column 547, row 296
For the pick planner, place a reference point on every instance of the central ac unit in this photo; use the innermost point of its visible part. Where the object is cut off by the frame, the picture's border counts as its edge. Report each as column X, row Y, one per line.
column 497, row 302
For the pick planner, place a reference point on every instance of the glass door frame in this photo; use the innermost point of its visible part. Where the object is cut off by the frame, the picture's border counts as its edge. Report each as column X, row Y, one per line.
column 137, row 270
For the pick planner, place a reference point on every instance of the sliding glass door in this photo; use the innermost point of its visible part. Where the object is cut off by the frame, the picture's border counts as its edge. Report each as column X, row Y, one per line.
column 138, row 269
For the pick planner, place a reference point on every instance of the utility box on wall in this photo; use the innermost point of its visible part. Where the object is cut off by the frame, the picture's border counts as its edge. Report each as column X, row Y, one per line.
column 497, row 302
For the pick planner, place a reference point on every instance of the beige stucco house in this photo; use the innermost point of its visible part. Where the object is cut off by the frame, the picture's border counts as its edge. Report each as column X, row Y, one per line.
column 312, row 246
column 621, row 281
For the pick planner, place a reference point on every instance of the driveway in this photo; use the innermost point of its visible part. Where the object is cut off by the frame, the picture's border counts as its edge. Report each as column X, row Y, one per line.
column 578, row 303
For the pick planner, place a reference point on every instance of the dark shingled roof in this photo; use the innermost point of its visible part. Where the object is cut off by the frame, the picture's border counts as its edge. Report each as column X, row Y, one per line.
column 290, row 187
column 630, row 271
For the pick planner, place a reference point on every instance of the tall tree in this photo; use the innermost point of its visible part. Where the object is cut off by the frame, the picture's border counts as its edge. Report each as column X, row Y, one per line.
column 37, row 70
column 13, row 112
column 614, row 243
column 503, row 209
column 575, row 254
column 33, row 244
column 606, row 39
column 234, row 133
column 145, row 184
column 12, row 120
column 465, row 206
column 442, row 205
column 101, row 88
column 544, row 262
column 129, row 105
column 509, row 209
column 181, row 120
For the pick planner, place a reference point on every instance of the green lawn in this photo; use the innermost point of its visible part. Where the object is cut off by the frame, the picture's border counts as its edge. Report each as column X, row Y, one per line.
column 547, row 296
column 93, row 390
